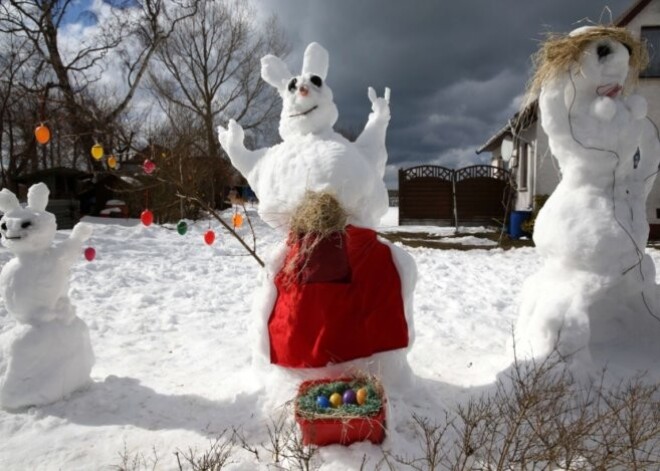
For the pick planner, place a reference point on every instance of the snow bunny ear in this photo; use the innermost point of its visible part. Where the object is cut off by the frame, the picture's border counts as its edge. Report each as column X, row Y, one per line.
column 316, row 61
column 8, row 201
column 38, row 197
column 275, row 72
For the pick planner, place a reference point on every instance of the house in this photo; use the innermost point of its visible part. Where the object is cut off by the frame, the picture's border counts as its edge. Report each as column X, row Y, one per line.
column 521, row 145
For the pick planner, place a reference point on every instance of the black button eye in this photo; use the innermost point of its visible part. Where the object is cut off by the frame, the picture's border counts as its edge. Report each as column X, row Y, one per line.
column 26, row 224
column 292, row 85
column 3, row 226
column 603, row 50
column 316, row 80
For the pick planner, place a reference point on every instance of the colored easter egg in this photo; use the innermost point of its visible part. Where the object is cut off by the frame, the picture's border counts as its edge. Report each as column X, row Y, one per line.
column 147, row 217
column 90, row 253
column 148, row 166
column 237, row 220
column 42, row 134
column 335, row 400
column 182, row 227
column 209, row 237
column 112, row 161
column 322, row 402
column 349, row 397
column 97, row 151
column 361, row 396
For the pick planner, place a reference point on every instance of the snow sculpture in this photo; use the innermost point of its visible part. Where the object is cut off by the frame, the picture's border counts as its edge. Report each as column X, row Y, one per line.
column 596, row 289
column 51, row 355
column 353, row 299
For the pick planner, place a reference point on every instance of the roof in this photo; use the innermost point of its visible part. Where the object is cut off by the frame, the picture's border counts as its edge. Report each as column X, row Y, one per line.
column 492, row 143
column 627, row 16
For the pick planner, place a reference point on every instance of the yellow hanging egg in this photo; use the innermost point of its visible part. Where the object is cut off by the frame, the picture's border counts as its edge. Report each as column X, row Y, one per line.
column 112, row 161
column 97, row 151
column 42, row 134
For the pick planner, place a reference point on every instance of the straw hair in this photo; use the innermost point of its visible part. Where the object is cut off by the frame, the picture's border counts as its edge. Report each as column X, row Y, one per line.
column 559, row 52
column 318, row 216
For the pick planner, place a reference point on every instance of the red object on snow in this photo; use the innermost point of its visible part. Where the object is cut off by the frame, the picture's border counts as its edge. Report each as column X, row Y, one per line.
column 147, row 217
column 336, row 320
column 90, row 253
column 342, row 430
column 209, row 237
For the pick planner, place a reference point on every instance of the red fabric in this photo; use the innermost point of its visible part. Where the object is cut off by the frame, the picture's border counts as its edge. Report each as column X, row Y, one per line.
column 313, row 324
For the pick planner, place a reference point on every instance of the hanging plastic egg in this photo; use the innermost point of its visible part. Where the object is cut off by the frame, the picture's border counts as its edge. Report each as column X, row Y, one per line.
column 147, row 217
column 349, row 397
column 237, row 220
column 42, row 134
column 148, row 166
column 182, row 227
column 335, row 400
column 209, row 237
column 322, row 402
column 97, row 151
column 90, row 253
column 361, row 396
column 112, row 161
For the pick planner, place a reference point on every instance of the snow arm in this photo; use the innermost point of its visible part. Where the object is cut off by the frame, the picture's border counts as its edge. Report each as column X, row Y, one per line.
column 372, row 140
column 69, row 249
column 649, row 148
column 231, row 140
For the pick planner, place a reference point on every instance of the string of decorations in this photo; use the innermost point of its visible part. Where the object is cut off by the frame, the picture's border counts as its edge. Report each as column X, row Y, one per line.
column 42, row 135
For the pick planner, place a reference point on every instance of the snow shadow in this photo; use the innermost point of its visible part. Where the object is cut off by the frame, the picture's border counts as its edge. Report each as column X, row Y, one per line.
column 124, row 401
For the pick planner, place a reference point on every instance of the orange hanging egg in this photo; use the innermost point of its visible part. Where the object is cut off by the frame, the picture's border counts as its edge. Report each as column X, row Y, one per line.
column 42, row 134
column 237, row 220
column 112, row 161
column 97, row 151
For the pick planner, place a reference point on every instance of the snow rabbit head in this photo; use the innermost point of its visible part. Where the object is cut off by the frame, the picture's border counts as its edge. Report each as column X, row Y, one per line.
column 307, row 101
column 28, row 229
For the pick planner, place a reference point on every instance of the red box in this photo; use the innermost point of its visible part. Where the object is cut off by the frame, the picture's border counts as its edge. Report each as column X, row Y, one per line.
column 328, row 431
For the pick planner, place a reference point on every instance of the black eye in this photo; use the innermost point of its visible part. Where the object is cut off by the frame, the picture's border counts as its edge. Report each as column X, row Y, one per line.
column 603, row 50
column 3, row 226
column 316, row 80
column 292, row 84
column 26, row 224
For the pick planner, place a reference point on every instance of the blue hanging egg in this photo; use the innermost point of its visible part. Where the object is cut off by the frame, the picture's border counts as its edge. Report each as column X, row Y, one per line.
column 322, row 402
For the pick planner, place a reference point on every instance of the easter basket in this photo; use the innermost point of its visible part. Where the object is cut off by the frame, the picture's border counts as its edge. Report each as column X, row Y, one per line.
column 325, row 421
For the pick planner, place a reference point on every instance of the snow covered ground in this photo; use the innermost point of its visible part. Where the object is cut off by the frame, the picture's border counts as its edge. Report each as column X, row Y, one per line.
column 168, row 317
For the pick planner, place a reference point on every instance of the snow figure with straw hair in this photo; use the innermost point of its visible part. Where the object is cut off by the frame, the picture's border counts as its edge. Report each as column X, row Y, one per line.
column 596, row 291
column 50, row 355
column 334, row 294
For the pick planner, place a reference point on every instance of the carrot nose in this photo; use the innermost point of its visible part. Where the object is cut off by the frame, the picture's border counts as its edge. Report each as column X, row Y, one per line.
column 304, row 91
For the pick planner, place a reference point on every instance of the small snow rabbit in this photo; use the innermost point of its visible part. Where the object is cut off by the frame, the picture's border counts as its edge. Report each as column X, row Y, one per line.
column 50, row 355
column 35, row 284
column 358, row 280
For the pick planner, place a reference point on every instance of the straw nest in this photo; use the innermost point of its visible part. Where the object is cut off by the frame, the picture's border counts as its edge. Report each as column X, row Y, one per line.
column 307, row 407
column 559, row 52
column 316, row 218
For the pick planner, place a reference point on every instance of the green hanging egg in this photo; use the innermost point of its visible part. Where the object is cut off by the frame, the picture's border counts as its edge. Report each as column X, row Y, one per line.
column 182, row 227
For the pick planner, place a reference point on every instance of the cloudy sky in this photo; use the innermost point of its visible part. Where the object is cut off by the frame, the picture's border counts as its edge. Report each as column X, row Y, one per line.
column 456, row 68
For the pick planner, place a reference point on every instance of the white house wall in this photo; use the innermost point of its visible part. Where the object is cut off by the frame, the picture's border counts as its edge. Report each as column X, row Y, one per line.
column 650, row 89
column 525, row 196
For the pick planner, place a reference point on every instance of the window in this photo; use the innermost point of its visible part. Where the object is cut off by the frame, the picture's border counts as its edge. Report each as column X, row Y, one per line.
column 651, row 35
column 522, row 165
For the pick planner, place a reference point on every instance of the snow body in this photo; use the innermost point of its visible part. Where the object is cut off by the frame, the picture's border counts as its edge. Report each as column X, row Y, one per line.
column 597, row 286
column 51, row 356
column 313, row 157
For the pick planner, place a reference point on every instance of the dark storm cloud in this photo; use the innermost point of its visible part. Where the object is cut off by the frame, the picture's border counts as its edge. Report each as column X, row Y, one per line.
column 455, row 68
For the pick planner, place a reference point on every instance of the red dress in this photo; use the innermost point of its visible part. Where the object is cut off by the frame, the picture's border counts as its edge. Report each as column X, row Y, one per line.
column 346, row 304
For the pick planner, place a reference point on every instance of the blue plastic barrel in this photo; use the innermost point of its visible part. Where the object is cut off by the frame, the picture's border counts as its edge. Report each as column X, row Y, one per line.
column 515, row 223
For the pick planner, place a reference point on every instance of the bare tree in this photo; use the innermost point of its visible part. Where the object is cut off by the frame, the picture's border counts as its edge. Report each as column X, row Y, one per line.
column 210, row 67
column 134, row 33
